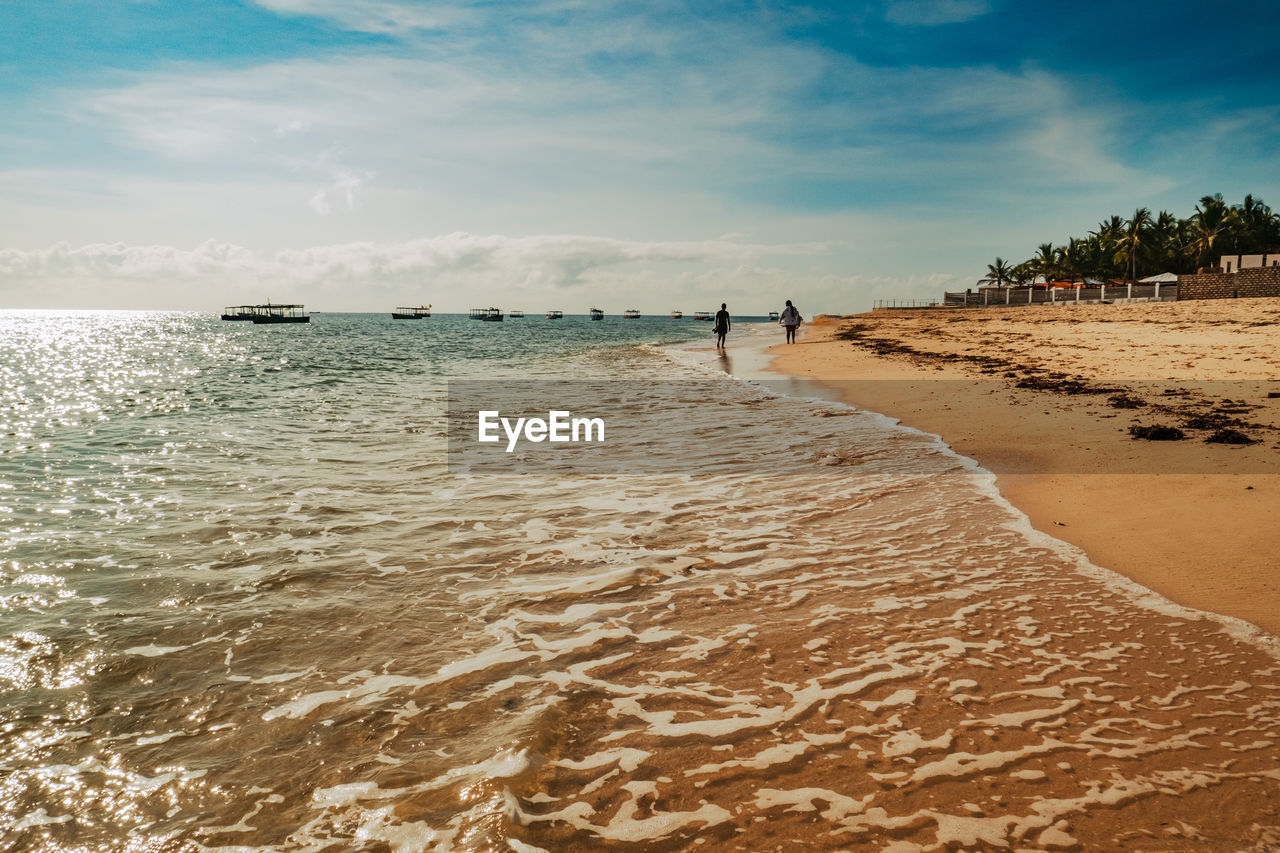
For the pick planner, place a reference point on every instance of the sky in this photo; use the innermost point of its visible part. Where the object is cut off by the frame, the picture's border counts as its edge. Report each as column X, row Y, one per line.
column 356, row 155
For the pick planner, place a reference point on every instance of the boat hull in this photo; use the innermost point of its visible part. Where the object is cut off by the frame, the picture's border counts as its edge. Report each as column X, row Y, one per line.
column 272, row 320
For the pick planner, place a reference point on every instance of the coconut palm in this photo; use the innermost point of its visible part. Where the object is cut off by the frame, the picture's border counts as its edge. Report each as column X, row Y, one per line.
column 1046, row 262
column 1108, row 236
column 1075, row 258
column 1208, row 226
column 1023, row 274
column 999, row 273
column 1125, row 246
column 1132, row 241
column 1251, row 223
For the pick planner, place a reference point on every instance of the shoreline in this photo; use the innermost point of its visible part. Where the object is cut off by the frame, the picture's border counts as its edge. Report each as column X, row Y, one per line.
column 1031, row 395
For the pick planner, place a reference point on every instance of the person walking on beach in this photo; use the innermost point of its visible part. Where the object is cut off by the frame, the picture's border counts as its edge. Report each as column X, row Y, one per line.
column 790, row 321
column 722, row 325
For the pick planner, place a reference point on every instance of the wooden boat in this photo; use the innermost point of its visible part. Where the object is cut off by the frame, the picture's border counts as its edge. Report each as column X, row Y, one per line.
column 597, row 314
column 702, row 315
column 516, row 315
column 238, row 312
column 491, row 315
column 555, row 315
column 631, row 314
column 422, row 312
column 773, row 315
column 280, row 314
column 676, row 315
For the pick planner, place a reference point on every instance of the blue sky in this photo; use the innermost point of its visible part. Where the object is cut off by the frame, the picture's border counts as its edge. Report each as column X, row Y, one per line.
column 361, row 153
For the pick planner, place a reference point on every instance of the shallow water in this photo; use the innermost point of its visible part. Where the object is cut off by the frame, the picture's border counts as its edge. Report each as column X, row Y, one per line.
column 248, row 607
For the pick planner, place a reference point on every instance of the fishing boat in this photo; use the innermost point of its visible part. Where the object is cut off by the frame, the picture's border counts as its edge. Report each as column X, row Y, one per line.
column 280, row 314
column 773, row 315
column 677, row 314
column 597, row 314
column 238, row 312
column 631, row 314
column 516, row 315
column 702, row 315
column 555, row 315
column 422, row 312
column 491, row 315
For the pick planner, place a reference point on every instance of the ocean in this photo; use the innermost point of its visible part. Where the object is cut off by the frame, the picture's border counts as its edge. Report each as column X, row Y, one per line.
column 253, row 600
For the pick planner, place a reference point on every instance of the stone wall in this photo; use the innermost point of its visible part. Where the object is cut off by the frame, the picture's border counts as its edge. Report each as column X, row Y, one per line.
column 1248, row 282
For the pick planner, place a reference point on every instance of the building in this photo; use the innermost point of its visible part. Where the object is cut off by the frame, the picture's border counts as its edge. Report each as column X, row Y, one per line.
column 1235, row 263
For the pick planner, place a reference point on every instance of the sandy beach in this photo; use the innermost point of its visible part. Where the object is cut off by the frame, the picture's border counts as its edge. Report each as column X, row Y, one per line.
column 1046, row 397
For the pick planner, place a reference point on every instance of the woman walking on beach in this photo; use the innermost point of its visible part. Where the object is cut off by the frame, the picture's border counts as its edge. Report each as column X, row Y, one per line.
column 790, row 321
column 722, row 325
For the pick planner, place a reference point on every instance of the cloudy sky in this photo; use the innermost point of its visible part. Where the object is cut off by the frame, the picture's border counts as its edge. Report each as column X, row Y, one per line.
column 358, row 154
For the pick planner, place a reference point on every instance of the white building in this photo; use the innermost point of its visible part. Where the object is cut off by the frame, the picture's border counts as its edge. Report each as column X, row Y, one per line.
column 1235, row 263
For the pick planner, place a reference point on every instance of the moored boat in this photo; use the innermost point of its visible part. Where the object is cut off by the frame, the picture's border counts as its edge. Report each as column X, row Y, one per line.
column 597, row 314
column 677, row 314
column 631, row 314
column 422, row 312
column 773, row 315
column 555, row 315
column 516, row 315
column 280, row 314
column 490, row 315
column 702, row 315
column 238, row 312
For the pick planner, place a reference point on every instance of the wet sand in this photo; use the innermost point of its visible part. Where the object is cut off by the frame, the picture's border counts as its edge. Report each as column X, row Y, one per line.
column 1045, row 397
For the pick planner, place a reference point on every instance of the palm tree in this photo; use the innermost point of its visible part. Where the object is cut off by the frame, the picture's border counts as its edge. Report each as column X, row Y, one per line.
column 1133, row 241
column 999, row 272
column 1251, row 223
column 1046, row 261
column 1023, row 274
column 1107, row 236
column 1074, row 258
column 1208, row 226
column 1166, row 246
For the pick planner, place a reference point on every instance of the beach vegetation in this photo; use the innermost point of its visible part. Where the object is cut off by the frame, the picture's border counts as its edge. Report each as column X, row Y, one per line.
column 1128, row 249
column 1000, row 273
column 1229, row 436
column 1157, row 432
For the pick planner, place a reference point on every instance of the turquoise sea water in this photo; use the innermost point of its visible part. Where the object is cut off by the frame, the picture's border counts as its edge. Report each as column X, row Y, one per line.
column 247, row 606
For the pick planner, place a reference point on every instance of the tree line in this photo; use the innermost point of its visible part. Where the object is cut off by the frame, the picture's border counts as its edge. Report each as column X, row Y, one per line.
column 1143, row 245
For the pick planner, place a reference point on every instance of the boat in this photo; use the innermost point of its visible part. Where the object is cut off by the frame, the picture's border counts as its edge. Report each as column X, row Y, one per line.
column 238, row 312
column 516, row 315
column 676, row 315
column 555, row 315
column 702, row 315
column 631, row 314
column 773, row 315
column 280, row 314
column 491, row 315
column 597, row 314
column 422, row 312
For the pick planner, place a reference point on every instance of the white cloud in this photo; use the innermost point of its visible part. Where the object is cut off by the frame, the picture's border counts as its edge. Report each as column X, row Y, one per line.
column 932, row 13
column 614, row 123
column 374, row 16
column 348, row 275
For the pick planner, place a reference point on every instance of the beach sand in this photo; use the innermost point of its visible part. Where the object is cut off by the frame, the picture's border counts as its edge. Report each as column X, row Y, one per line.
column 1045, row 396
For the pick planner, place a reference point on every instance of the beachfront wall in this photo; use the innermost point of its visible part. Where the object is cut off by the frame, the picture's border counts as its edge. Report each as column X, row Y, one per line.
column 996, row 297
column 1246, row 283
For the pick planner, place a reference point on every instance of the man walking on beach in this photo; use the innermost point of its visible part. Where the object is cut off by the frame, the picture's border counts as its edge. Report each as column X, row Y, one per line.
column 790, row 321
column 722, row 325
